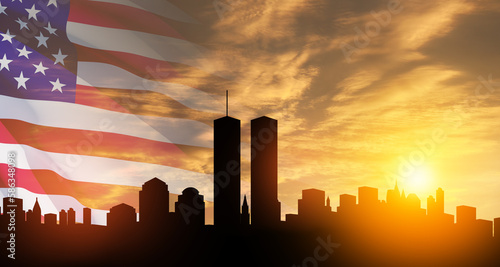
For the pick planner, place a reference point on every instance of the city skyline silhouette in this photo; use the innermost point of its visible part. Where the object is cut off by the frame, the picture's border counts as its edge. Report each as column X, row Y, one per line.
column 383, row 231
column 358, row 133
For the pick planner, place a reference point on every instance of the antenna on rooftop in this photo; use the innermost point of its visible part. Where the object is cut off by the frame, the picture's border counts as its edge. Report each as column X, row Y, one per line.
column 226, row 104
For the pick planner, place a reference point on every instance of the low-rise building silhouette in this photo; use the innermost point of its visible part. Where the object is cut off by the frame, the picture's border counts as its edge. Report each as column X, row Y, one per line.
column 50, row 219
column 190, row 208
column 121, row 216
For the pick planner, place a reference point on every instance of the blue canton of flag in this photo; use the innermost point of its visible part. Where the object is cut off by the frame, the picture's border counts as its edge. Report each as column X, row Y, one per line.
column 37, row 61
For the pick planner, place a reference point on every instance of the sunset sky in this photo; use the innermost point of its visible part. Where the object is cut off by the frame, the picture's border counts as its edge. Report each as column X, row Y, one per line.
column 366, row 90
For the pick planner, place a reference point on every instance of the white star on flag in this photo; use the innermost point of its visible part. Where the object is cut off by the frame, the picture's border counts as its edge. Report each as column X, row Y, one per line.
column 57, row 85
column 24, row 52
column 2, row 9
column 59, row 57
column 21, row 81
column 32, row 12
column 52, row 2
column 50, row 29
column 7, row 36
column 4, row 62
column 40, row 68
column 42, row 40
column 22, row 24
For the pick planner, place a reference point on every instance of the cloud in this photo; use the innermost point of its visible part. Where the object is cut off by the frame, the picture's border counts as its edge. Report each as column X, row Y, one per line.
column 344, row 123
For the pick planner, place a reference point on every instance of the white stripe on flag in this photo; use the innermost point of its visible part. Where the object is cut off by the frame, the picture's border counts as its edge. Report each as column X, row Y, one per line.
column 139, row 43
column 56, row 203
column 106, row 170
column 97, row 74
column 81, row 117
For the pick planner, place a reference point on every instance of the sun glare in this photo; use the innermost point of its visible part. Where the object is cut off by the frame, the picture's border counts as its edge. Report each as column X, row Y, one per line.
column 420, row 180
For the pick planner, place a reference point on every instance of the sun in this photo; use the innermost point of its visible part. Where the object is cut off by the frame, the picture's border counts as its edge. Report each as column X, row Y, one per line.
column 419, row 180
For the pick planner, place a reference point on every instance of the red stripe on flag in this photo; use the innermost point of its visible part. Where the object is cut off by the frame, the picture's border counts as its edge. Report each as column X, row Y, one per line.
column 92, row 195
column 102, row 144
column 118, row 16
column 5, row 135
column 144, row 67
column 90, row 96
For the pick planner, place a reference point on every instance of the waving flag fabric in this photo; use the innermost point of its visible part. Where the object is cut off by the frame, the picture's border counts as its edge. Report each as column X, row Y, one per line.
column 76, row 83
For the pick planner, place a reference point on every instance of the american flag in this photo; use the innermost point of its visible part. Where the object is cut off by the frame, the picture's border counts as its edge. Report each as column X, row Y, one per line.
column 95, row 100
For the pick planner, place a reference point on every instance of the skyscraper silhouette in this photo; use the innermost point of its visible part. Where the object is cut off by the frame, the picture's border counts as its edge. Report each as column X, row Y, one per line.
column 71, row 216
column 466, row 215
column 312, row 203
column 367, row 196
column 431, row 206
column 245, row 215
column 266, row 209
column 347, row 204
column 439, row 201
column 154, row 203
column 394, row 196
column 496, row 223
column 227, row 172
column 63, row 218
column 29, row 216
column 37, row 213
column 87, row 216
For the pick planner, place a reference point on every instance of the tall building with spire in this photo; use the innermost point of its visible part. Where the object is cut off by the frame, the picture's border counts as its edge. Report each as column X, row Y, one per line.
column 394, row 196
column 245, row 215
column 227, row 178
column 37, row 213
column 328, row 206
column 266, row 209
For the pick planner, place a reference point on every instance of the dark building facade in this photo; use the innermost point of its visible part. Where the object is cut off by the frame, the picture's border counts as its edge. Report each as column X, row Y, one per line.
column 312, row 203
column 245, row 214
column 63, row 218
column 347, row 204
column 121, row 216
column 466, row 215
column 50, row 219
column 37, row 213
column 71, row 216
column 265, row 207
column 154, row 203
column 227, row 171
column 87, row 216
column 367, row 196
column 190, row 208
column 439, row 201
